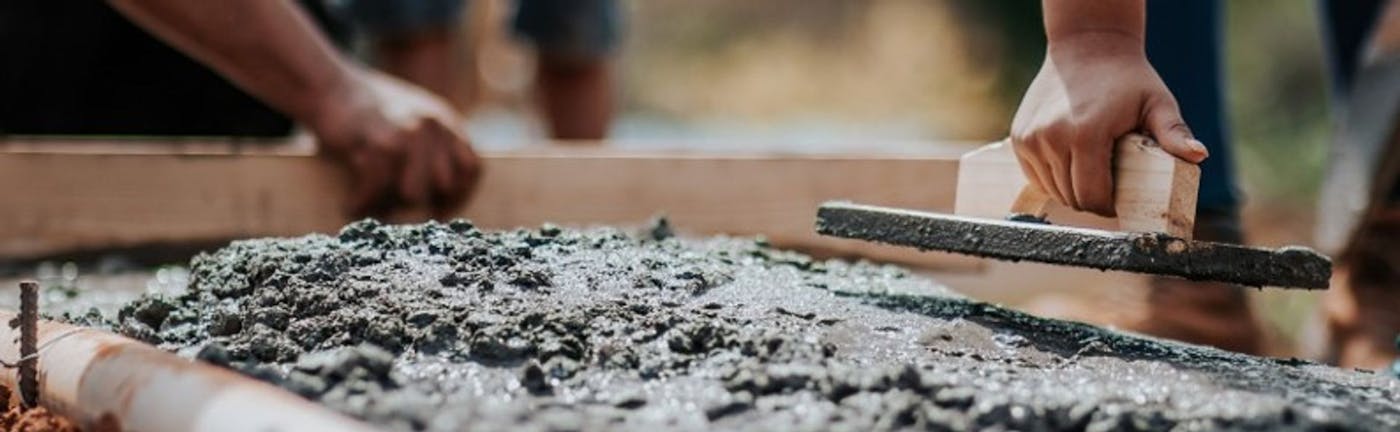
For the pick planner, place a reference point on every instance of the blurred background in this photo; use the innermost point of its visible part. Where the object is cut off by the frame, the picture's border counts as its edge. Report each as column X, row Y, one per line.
column 838, row 72
column 811, row 74
column 816, row 75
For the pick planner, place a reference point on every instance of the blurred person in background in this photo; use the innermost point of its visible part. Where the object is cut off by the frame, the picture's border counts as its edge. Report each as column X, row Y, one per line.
column 1097, row 84
column 254, row 68
column 573, row 39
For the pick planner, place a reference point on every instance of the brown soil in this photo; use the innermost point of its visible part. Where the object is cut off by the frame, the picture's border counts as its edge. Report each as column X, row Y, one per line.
column 34, row 420
column 38, row 419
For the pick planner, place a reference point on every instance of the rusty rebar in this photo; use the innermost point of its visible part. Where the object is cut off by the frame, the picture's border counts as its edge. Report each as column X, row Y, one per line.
column 28, row 343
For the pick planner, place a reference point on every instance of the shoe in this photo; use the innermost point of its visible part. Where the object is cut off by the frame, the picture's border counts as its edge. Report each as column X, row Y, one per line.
column 1202, row 313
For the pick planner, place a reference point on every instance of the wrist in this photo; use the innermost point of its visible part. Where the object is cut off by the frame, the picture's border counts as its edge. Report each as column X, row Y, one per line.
column 1097, row 43
column 1074, row 23
column 330, row 111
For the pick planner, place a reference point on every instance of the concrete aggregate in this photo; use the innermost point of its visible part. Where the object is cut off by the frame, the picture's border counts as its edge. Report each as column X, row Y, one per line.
column 445, row 327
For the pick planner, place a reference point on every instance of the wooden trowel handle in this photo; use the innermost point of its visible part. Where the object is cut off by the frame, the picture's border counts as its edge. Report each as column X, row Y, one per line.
column 1153, row 190
column 1030, row 201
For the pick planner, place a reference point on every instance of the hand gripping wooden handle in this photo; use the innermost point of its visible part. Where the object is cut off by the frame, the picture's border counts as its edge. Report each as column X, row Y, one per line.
column 1153, row 191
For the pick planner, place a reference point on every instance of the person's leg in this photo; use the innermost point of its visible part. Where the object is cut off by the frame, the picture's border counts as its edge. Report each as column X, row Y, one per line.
column 576, row 98
column 414, row 40
column 574, row 40
column 1345, row 26
column 1185, row 43
column 425, row 57
column 1363, row 305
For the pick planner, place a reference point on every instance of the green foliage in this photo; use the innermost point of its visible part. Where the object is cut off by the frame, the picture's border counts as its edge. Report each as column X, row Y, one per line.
column 1278, row 100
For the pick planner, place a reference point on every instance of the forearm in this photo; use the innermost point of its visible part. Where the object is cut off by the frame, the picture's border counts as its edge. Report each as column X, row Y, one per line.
column 268, row 48
column 1075, row 20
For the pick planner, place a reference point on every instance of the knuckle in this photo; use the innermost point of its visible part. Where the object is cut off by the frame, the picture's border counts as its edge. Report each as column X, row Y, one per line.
column 1025, row 151
column 1067, row 136
column 1160, row 101
column 1180, row 126
column 1061, row 129
column 1021, row 140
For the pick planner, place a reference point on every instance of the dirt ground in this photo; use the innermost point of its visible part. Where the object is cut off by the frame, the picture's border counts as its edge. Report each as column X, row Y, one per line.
column 34, row 420
column 444, row 327
column 17, row 419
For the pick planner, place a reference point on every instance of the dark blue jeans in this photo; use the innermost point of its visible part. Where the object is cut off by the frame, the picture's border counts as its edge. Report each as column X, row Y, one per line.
column 1185, row 42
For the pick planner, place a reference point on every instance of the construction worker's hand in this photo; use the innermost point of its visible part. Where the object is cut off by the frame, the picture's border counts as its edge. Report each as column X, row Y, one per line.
column 401, row 144
column 1090, row 91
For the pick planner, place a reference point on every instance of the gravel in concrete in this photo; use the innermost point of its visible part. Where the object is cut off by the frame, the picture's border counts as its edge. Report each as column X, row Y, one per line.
column 445, row 327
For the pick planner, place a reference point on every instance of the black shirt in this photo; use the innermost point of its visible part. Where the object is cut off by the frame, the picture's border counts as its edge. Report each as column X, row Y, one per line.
column 78, row 67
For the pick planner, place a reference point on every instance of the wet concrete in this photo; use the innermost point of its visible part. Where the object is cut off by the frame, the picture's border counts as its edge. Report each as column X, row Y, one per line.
column 1395, row 366
column 444, row 327
column 1152, row 253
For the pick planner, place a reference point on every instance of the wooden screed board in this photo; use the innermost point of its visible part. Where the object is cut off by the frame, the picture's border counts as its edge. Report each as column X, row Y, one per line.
column 61, row 196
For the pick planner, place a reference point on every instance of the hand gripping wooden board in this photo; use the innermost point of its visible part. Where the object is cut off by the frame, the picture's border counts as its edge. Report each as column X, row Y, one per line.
column 1155, row 198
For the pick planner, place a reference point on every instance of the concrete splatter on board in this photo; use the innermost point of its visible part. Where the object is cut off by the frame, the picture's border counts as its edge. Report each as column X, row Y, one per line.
column 445, row 327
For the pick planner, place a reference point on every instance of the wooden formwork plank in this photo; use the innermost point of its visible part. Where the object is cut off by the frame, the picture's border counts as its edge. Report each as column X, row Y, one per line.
column 63, row 197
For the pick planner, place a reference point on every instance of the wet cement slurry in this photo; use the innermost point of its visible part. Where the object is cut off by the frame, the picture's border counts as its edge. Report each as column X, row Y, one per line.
column 444, row 327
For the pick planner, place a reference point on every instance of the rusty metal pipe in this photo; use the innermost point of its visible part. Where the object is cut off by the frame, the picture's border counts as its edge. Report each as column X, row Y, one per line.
column 102, row 381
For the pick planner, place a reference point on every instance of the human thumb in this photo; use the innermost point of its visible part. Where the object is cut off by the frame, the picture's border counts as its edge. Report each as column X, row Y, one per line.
column 1165, row 124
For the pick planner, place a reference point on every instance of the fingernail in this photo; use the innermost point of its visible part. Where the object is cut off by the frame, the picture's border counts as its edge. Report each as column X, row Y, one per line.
column 1199, row 147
